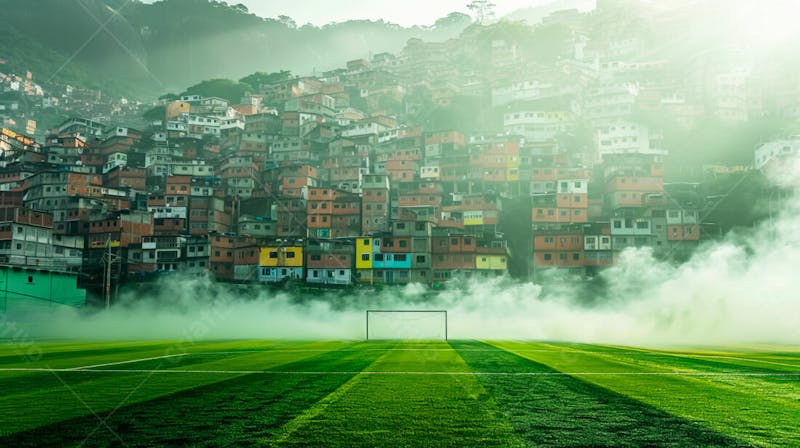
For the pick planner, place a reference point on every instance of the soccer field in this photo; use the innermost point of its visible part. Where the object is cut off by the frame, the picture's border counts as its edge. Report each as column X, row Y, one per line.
column 458, row 393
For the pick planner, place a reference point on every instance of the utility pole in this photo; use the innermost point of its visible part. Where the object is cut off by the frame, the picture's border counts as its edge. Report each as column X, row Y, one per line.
column 107, row 259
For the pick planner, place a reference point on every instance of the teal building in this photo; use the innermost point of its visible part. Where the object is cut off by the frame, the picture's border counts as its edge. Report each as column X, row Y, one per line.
column 26, row 289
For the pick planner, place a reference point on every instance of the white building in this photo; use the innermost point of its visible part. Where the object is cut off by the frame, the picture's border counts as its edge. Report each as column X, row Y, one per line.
column 776, row 150
column 115, row 160
column 623, row 137
column 526, row 90
column 610, row 101
column 539, row 121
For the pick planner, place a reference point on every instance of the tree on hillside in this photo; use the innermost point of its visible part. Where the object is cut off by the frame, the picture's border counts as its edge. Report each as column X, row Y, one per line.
column 483, row 10
column 288, row 21
column 262, row 78
column 228, row 89
column 169, row 97
column 155, row 114
column 453, row 19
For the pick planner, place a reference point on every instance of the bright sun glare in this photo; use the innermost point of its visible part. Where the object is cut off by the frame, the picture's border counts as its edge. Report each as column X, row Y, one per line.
column 769, row 23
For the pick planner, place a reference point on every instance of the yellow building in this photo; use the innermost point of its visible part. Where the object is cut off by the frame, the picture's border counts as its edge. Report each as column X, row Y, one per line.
column 364, row 253
column 283, row 257
column 176, row 108
column 473, row 218
column 364, row 258
column 512, row 169
column 491, row 262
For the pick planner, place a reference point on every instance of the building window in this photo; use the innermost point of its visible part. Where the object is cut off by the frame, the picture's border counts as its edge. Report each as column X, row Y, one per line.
column 548, row 257
column 420, row 258
column 290, row 254
column 576, row 257
column 364, row 257
column 271, row 254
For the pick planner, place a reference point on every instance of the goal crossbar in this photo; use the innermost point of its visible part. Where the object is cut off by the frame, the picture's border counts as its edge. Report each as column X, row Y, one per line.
column 443, row 312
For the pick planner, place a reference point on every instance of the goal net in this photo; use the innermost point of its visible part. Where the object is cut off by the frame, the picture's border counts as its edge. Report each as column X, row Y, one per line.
column 406, row 324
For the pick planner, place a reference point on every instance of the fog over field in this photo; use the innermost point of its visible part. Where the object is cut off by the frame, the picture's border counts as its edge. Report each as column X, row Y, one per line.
column 738, row 290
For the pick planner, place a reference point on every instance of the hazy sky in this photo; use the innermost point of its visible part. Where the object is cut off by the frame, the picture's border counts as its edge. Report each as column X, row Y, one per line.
column 403, row 12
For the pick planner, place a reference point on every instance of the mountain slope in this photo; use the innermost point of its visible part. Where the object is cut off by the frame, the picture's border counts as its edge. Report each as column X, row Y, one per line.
column 167, row 45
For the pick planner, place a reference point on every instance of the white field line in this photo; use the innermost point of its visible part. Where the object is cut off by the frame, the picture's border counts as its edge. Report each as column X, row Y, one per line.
column 122, row 362
column 236, row 352
column 301, row 350
column 416, row 373
column 95, row 367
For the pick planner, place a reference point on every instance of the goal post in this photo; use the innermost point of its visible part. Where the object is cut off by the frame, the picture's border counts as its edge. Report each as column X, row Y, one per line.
column 406, row 324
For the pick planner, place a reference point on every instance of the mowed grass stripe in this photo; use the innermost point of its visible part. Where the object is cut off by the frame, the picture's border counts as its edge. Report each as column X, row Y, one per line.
column 103, row 392
column 409, row 410
column 82, row 354
column 289, row 428
column 235, row 412
column 22, row 385
column 708, row 361
column 559, row 410
column 27, row 383
column 45, row 355
column 773, row 382
column 758, row 410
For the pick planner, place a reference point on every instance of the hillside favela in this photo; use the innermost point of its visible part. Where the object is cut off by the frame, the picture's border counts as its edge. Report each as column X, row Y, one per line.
column 352, row 223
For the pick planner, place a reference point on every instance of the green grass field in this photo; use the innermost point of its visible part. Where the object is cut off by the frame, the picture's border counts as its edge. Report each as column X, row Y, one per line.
column 461, row 393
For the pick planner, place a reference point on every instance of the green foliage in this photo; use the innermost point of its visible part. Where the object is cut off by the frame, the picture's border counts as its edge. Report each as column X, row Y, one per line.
column 228, row 89
column 155, row 114
column 465, row 114
column 258, row 79
column 169, row 97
